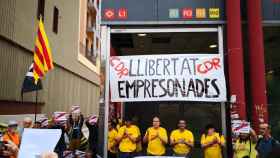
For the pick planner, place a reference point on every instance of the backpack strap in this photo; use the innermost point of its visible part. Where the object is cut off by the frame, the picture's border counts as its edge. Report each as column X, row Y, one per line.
column 258, row 143
column 250, row 147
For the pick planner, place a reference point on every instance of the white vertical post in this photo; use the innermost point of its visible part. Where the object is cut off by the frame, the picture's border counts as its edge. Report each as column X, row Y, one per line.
column 105, row 43
column 223, row 104
column 221, row 52
column 220, row 40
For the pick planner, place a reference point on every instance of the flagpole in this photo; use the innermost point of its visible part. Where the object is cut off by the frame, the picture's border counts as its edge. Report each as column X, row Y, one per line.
column 36, row 103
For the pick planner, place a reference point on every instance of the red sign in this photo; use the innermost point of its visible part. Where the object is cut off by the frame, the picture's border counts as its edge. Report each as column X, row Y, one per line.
column 187, row 13
column 122, row 13
column 109, row 14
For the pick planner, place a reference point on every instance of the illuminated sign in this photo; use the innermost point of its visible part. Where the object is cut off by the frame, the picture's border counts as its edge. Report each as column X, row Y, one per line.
column 169, row 11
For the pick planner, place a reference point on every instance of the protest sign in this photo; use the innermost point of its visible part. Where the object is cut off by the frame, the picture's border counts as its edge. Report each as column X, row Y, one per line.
column 240, row 126
column 60, row 117
column 36, row 141
column 93, row 119
column 179, row 77
column 76, row 109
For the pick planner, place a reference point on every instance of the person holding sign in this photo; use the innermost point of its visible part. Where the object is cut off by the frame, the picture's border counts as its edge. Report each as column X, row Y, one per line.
column 181, row 140
column 127, row 137
column 156, row 137
column 245, row 145
column 212, row 143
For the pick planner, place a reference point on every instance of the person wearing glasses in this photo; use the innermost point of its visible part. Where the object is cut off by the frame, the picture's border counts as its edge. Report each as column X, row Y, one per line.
column 156, row 137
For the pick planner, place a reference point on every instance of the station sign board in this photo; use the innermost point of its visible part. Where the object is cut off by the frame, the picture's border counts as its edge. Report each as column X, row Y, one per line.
column 271, row 10
column 162, row 11
column 177, row 11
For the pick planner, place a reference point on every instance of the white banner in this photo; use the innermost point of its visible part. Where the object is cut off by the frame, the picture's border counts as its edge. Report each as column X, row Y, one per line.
column 173, row 77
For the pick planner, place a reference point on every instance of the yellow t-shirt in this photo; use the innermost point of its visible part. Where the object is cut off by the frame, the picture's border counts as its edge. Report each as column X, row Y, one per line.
column 155, row 146
column 111, row 141
column 243, row 149
column 177, row 135
column 126, row 145
column 214, row 151
column 139, row 143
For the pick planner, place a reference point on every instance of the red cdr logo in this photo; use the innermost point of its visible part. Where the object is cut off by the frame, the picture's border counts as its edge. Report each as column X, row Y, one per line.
column 208, row 65
column 118, row 66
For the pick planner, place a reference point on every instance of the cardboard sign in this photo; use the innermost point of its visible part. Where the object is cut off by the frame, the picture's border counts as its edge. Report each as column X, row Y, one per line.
column 239, row 126
column 36, row 141
column 178, row 77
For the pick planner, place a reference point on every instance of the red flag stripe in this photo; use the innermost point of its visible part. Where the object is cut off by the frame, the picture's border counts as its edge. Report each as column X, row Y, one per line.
column 45, row 51
column 37, row 70
column 39, row 54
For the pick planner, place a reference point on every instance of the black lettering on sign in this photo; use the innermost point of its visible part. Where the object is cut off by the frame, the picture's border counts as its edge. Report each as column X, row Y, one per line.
column 151, row 67
column 206, row 84
column 121, row 88
column 185, row 66
column 138, row 69
column 199, row 87
column 140, row 84
column 182, row 87
column 214, row 84
column 174, row 60
column 166, row 63
column 154, row 85
column 163, row 88
column 170, row 91
column 146, row 67
column 191, row 87
column 130, row 87
column 131, row 68
column 157, row 65
column 146, row 88
column 194, row 64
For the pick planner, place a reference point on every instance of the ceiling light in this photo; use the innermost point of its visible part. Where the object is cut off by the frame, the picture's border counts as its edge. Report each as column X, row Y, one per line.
column 142, row 34
column 213, row 46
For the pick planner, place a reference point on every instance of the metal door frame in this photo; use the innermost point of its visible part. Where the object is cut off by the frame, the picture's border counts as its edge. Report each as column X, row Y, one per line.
column 106, row 32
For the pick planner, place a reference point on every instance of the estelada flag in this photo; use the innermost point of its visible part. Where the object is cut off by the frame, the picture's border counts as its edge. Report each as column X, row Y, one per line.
column 29, row 82
column 42, row 54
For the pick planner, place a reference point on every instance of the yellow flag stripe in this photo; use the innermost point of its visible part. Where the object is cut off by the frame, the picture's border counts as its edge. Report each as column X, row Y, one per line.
column 46, row 42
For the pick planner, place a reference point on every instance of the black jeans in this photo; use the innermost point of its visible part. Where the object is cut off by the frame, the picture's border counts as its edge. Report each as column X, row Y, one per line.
column 126, row 155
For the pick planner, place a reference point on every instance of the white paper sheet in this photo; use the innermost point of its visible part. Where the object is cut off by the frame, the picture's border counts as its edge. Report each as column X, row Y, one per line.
column 36, row 141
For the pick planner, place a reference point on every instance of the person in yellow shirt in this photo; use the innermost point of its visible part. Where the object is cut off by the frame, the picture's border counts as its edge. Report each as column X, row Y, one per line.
column 182, row 140
column 112, row 143
column 212, row 143
column 245, row 145
column 156, row 137
column 127, row 137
